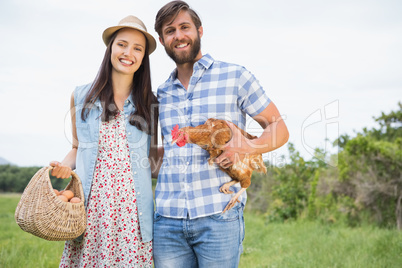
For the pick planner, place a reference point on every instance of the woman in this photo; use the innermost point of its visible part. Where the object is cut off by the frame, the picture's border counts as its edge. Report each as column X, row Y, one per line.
column 113, row 120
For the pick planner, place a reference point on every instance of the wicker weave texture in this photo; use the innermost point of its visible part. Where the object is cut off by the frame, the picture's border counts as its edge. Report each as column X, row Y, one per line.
column 41, row 213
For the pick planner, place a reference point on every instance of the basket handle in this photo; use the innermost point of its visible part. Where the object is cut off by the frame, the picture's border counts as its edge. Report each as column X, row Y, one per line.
column 73, row 174
column 74, row 177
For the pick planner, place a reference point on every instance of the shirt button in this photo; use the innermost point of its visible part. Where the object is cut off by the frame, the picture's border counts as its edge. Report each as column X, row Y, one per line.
column 138, row 193
column 140, row 213
column 188, row 163
column 129, row 133
column 135, row 172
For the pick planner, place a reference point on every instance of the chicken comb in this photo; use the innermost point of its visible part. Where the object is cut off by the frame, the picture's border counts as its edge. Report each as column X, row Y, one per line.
column 175, row 132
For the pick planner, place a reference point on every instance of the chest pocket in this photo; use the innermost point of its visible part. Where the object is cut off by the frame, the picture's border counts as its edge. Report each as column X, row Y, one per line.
column 87, row 135
column 137, row 140
column 216, row 105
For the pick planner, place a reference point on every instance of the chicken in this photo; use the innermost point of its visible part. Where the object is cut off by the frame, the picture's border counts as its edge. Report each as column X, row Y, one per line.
column 211, row 136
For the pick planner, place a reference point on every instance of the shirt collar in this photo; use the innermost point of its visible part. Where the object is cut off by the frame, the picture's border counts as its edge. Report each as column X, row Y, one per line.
column 130, row 99
column 206, row 61
column 98, row 103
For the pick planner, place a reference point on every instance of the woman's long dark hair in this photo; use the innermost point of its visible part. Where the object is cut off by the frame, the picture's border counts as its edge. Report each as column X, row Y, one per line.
column 145, row 116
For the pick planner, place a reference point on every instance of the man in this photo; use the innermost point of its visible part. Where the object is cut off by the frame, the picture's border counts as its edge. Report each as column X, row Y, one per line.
column 190, row 229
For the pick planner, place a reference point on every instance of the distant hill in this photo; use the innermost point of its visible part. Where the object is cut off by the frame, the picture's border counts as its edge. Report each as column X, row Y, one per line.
column 4, row 161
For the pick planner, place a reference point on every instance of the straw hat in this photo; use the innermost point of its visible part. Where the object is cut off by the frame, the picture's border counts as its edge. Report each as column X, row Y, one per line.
column 134, row 23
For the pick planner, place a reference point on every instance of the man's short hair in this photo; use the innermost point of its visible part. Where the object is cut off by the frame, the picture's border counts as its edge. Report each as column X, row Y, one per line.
column 169, row 13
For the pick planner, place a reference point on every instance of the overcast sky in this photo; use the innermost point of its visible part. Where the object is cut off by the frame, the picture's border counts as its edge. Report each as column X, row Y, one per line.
column 329, row 66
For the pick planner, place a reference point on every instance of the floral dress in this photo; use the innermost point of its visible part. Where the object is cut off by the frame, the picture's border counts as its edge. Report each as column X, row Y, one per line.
column 113, row 235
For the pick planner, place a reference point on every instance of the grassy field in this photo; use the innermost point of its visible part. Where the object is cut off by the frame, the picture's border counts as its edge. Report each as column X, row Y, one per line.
column 20, row 249
column 300, row 244
column 309, row 244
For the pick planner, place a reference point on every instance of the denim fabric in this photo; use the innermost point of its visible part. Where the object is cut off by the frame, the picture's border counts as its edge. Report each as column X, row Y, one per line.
column 139, row 144
column 212, row 241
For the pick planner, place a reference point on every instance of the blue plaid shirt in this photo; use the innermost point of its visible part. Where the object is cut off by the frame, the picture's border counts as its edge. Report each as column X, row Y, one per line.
column 187, row 184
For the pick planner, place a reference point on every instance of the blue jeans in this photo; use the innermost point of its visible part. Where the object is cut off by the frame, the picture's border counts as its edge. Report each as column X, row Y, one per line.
column 212, row 241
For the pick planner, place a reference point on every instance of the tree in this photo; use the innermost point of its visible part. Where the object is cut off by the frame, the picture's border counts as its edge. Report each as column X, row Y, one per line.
column 292, row 193
column 15, row 179
column 372, row 163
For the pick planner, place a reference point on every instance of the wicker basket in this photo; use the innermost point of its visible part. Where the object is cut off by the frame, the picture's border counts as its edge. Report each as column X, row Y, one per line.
column 41, row 213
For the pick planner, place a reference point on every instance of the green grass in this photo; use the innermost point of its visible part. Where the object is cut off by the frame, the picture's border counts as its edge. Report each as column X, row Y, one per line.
column 297, row 244
column 311, row 244
column 21, row 249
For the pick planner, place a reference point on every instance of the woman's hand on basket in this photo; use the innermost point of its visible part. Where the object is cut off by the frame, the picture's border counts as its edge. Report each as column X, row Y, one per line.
column 60, row 170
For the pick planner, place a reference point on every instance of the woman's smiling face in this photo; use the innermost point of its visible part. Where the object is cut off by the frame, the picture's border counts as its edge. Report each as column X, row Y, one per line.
column 128, row 50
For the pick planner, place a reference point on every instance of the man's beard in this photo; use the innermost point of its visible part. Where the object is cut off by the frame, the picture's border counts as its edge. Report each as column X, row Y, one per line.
column 184, row 57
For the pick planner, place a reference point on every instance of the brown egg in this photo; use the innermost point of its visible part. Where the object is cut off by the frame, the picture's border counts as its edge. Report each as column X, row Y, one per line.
column 75, row 200
column 63, row 198
column 61, row 192
column 69, row 194
column 56, row 192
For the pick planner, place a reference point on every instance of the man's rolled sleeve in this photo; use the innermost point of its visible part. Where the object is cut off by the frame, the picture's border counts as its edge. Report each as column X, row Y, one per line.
column 252, row 97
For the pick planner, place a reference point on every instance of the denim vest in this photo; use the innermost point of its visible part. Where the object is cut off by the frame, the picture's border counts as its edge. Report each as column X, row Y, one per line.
column 139, row 144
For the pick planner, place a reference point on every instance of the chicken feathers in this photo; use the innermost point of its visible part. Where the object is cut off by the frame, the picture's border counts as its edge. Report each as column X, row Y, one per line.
column 212, row 136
